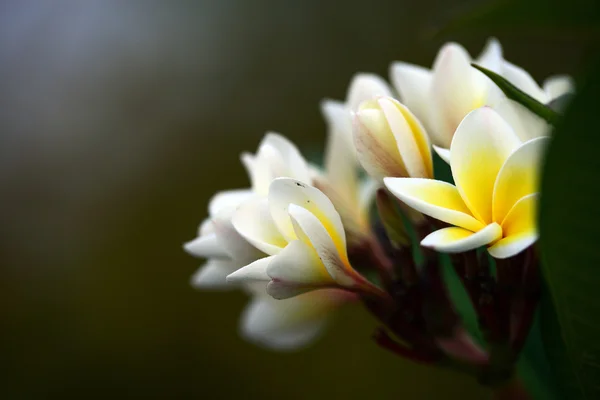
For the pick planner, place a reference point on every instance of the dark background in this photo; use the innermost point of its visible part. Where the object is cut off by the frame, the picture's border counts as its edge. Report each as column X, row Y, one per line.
column 118, row 121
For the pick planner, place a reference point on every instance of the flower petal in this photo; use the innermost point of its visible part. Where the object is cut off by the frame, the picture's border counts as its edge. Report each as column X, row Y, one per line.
column 518, row 176
column 456, row 89
column 411, row 139
column 458, row 240
column 413, row 83
column 312, row 232
column 252, row 220
column 365, row 87
column 521, row 79
column 253, row 272
column 437, row 199
column 295, row 270
column 519, row 228
column 206, row 246
column 228, row 199
column 212, row 275
column 556, row 86
column 276, row 157
column 526, row 124
column 491, row 56
column 284, row 191
column 292, row 323
column 481, row 145
column 376, row 147
column 443, row 153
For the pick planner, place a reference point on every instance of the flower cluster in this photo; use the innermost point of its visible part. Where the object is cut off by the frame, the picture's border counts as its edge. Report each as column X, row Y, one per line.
column 302, row 239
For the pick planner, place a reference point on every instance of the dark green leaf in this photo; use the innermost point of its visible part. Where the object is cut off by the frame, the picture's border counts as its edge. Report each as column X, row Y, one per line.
column 569, row 228
column 516, row 94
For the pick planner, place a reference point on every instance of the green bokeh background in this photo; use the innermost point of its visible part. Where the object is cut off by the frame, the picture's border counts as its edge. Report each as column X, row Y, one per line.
column 118, row 122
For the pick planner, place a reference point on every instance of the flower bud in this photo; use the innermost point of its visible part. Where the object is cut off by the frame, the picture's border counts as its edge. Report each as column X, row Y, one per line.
column 390, row 140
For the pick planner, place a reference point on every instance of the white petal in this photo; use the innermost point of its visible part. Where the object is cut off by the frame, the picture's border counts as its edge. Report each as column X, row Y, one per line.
column 556, row 86
column 456, row 89
column 207, row 246
column 364, row 87
column 292, row 323
column 284, row 191
column 253, row 221
column 526, row 124
column 206, row 227
column 437, row 199
column 413, row 83
column 521, row 79
column 212, row 275
column 519, row 176
column 481, row 145
column 229, row 199
column 411, row 139
column 341, row 164
column 331, row 252
column 253, row 272
column 458, row 240
column 295, row 270
column 491, row 56
column 443, row 153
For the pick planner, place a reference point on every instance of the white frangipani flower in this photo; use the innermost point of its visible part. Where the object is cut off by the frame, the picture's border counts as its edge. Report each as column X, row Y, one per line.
column 443, row 96
column 217, row 241
column 300, row 230
column 552, row 88
column 494, row 200
column 390, row 140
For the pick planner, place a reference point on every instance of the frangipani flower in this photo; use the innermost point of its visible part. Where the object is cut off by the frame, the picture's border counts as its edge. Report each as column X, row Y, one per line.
column 390, row 140
column 443, row 96
column 341, row 179
column 217, row 240
column 494, row 200
column 300, row 230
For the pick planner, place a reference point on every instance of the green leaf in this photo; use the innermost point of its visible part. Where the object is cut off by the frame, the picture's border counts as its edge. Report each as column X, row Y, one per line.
column 569, row 232
column 516, row 94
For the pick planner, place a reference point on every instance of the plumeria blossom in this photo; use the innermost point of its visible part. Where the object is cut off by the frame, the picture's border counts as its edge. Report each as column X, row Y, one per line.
column 552, row 88
column 279, row 324
column 390, row 140
column 443, row 96
column 494, row 200
column 217, row 241
column 341, row 178
column 299, row 229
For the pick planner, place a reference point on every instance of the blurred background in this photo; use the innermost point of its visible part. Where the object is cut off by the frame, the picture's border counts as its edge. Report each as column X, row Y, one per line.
column 118, row 121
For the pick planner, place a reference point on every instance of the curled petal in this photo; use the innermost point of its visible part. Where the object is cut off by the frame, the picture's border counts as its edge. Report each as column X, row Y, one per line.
column 518, row 177
column 253, row 272
column 228, row 200
column 284, row 192
column 443, row 153
column 481, row 145
column 253, row 221
column 437, row 199
column 519, row 229
column 295, row 270
column 458, row 240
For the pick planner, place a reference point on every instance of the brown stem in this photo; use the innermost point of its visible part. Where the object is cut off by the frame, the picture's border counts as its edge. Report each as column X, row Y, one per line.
column 527, row 301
